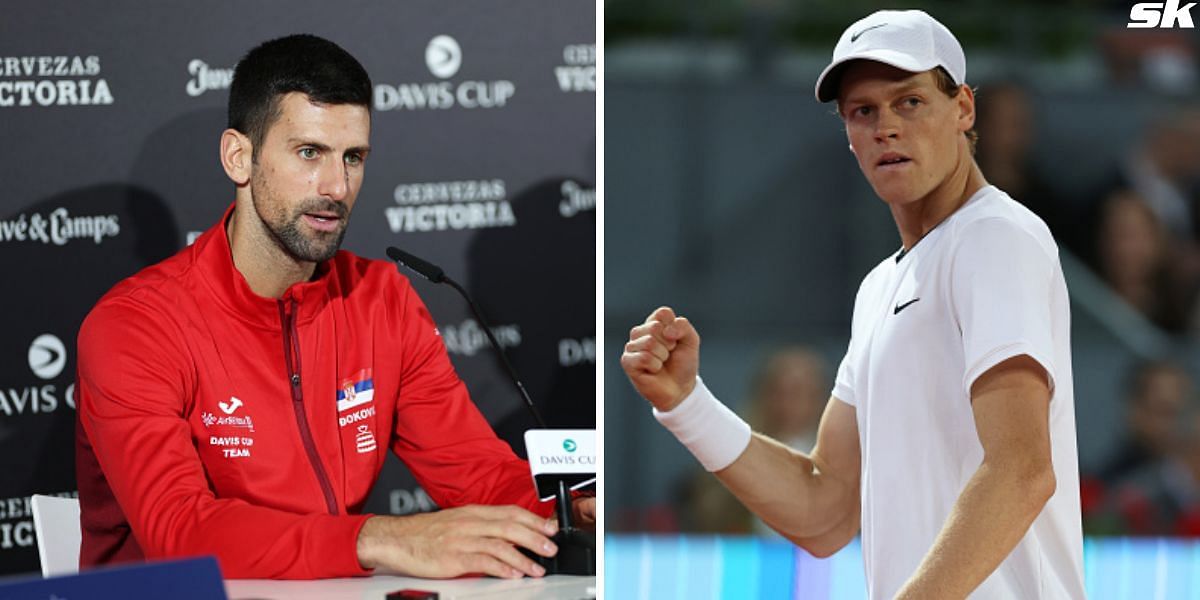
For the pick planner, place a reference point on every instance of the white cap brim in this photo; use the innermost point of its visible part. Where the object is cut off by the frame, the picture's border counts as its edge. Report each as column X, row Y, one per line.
column 827, row 83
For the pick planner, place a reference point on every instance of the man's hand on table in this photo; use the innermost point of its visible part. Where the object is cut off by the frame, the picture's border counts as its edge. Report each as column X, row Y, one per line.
column 458, row 541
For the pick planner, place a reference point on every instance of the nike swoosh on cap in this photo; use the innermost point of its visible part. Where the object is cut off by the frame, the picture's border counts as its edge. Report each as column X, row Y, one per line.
column 854, row 38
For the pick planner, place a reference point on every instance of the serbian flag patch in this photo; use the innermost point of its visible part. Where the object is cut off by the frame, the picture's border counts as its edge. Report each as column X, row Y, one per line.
column 357, row 390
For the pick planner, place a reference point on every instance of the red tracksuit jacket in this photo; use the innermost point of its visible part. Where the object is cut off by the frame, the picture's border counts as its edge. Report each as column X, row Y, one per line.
column 215, row 421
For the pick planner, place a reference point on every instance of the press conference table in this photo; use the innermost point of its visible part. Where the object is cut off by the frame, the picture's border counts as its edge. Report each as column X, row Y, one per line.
column 377, row 587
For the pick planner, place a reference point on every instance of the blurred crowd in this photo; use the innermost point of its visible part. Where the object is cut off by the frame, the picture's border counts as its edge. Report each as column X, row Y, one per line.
column 1150, row 485
column 1138, row 227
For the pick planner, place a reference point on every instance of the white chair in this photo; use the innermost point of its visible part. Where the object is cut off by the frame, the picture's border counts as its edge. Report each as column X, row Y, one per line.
column 56, row 523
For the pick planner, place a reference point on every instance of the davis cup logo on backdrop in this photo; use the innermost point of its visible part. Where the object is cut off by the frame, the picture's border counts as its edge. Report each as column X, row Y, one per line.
column 444, row 57
column 47, row 358
column 578, row 73
column 576, row 199
column 206, row 78
column 52, row 81
column 59, row 227
column 573, row 352
column 450, row 205
column 467, row 338
column 406, row 502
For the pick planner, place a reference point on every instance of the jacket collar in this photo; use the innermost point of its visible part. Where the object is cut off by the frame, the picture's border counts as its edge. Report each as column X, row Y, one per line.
column 213, row 258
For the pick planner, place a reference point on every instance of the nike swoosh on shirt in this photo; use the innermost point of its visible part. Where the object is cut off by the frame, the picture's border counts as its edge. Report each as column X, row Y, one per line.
column 900, row 307
column 854, row 38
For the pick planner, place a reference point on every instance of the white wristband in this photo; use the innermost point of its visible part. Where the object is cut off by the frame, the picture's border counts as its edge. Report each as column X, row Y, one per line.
column 715, row 435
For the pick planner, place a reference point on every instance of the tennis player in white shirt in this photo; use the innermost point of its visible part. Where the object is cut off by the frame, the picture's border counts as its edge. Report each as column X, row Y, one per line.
column 949, row 439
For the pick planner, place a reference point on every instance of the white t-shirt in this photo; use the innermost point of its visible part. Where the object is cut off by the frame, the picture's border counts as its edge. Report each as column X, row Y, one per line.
column 983, row 286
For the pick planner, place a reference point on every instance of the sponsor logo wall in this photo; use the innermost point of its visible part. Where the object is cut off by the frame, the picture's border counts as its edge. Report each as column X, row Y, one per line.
column 444, row 58
column 60, row 80
column 483, row 162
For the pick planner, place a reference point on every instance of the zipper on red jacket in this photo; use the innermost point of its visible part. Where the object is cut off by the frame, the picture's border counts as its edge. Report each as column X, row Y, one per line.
column 291, row 354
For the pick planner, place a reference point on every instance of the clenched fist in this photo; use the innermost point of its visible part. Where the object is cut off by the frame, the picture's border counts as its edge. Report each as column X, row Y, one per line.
column 662, row 358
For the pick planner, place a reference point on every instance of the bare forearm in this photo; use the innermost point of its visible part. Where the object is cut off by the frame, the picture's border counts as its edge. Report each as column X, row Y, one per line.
column 788, row 490
column 829, row 541
column 457, row 541
column 991, row 515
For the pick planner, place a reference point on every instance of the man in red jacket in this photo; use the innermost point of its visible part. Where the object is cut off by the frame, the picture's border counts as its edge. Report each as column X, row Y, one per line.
column 238, row 398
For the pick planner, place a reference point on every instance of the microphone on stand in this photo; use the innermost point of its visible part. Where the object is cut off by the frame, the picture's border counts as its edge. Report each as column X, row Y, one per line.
column 576, row 547
column 435, row 274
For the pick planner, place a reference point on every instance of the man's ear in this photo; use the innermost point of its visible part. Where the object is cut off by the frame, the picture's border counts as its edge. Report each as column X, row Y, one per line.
column 966, row 108
column 237, row 156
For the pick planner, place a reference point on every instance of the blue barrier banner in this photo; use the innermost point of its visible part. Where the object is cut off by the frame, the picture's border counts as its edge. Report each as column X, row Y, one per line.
column 190, row 579
column 704, row 566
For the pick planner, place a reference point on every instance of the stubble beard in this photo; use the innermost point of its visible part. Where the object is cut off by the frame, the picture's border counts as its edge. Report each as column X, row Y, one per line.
column 287, row 231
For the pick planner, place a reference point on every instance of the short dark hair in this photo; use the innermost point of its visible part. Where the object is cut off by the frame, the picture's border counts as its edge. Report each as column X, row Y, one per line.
column 313, row 66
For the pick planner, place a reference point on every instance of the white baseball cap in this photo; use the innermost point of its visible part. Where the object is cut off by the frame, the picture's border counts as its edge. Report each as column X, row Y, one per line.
column 906, row 39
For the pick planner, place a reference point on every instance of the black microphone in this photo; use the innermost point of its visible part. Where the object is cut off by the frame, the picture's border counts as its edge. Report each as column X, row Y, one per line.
column 435, row 274
column 425, row 269
column 576, row 547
